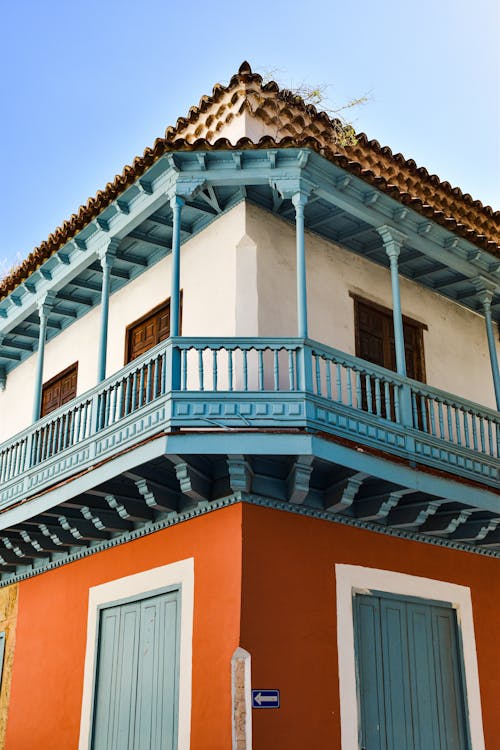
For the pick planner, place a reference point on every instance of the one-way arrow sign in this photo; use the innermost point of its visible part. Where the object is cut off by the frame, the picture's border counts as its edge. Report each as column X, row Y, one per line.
column 265, row 698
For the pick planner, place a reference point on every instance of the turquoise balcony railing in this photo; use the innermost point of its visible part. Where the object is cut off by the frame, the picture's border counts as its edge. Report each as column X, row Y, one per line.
column 252, row 383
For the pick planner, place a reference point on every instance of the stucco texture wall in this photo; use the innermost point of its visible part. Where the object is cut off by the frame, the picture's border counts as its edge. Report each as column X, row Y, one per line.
column 455, row 344
column 47, row 678
column 289, row 617
column 238, row 279
column 208, row 282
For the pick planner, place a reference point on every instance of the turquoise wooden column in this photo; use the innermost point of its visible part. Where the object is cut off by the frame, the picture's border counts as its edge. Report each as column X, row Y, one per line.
column 393, row 240
column 299, row 200
column 106, row 256
column 45, row 304
column 176, row 203
column 485, row 296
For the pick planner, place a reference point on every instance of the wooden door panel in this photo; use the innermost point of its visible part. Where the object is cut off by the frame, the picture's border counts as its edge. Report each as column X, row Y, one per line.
column 375, row 339
column 59, row 390
column 147, row 332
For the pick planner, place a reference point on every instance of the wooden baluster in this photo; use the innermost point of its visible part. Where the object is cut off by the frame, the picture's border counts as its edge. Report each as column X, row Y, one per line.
column 481, row 435
column 328, row 366
column 359, row 399
column 128, row 396
column 465, row 416
column 387, row 399
column 317, row 369
column 397, row 407
column 200, row 370
column 134, row 390
column 449, row 421
column 276, row 373
column 474, row 431
column 149, row 396
column 378, row 399
column 349, row 388
column 60, row 436
column 490, row 438
column 184, row 370
column 230, row 368
column 156, row 371
column 339, row 383
column 245, row 369
column 369, row 399
column 141, row 389
column 432, row 417
column 423, row 410
column 458, row 428
column 75, row 431
column 163, row 373
column 261, row 370
column 441, row 419
column 215, row 374
column 414, row 409
column 291, row 371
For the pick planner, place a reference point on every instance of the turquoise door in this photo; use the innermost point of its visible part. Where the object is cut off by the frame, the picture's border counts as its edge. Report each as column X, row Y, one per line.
column 410, row 675
column 135, row 703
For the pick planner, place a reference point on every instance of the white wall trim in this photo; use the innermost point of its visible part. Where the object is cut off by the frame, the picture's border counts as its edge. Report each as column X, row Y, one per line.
column 179, row 573
column 354, row 578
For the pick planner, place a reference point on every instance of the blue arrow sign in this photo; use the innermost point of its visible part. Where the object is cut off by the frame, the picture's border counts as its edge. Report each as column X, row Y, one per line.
column 265, row 698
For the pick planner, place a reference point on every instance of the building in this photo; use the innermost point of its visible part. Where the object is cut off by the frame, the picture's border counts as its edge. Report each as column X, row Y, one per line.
column 250, row 441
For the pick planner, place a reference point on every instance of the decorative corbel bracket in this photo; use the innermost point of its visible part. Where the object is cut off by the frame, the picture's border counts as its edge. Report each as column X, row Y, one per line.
column 291, row 187
column 341, row 495
column 185, row 187
column 485, row 289
column 393, row 240
column 297, row 482
column 240, row 474
column 45, row 303
column 107, row 251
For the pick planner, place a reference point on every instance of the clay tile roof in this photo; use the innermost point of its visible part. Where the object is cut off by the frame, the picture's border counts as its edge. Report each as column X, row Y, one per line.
column 287, row 121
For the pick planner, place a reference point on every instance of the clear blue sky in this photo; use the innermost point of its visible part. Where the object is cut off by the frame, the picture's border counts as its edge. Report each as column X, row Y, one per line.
column 85, row 86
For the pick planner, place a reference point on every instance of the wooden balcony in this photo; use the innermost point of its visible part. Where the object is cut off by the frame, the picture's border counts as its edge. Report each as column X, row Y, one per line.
column 223, row 384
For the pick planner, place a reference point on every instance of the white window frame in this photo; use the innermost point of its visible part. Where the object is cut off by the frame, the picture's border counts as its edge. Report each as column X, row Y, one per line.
column 352, row 579
column 180, row 574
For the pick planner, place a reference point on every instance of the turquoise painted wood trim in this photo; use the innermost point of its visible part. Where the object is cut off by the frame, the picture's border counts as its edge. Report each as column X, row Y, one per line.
column 44, row 306
column 393, row 241
column 204, row 508
column 294, row 390
column 493, row 353
column 259, row 167
column 37, row 398
column 176, row 204
column 106, row 259
column 299, row 200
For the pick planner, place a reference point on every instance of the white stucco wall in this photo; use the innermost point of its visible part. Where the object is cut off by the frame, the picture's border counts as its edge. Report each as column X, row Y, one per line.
column 238, row 279
column 455, row 344
column 208, row 282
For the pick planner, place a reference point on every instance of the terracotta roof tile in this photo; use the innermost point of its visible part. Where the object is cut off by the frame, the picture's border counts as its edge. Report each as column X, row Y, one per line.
column 294, row 124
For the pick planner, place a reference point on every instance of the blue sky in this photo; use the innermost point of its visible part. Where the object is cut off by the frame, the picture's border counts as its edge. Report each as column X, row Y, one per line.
column 85, row 86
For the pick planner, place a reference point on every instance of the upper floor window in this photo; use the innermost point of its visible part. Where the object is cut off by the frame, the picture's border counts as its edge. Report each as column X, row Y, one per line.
column 143, row 334
column 59, row 390
column 375, row 338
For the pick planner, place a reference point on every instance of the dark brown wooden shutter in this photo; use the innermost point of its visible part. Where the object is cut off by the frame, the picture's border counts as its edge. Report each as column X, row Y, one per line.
column 375, row 339
column 59, row 390
column 147, row 332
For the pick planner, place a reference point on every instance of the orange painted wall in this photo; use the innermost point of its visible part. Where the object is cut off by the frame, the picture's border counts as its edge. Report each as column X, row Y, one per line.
column 289, row 624
column 47, row 678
